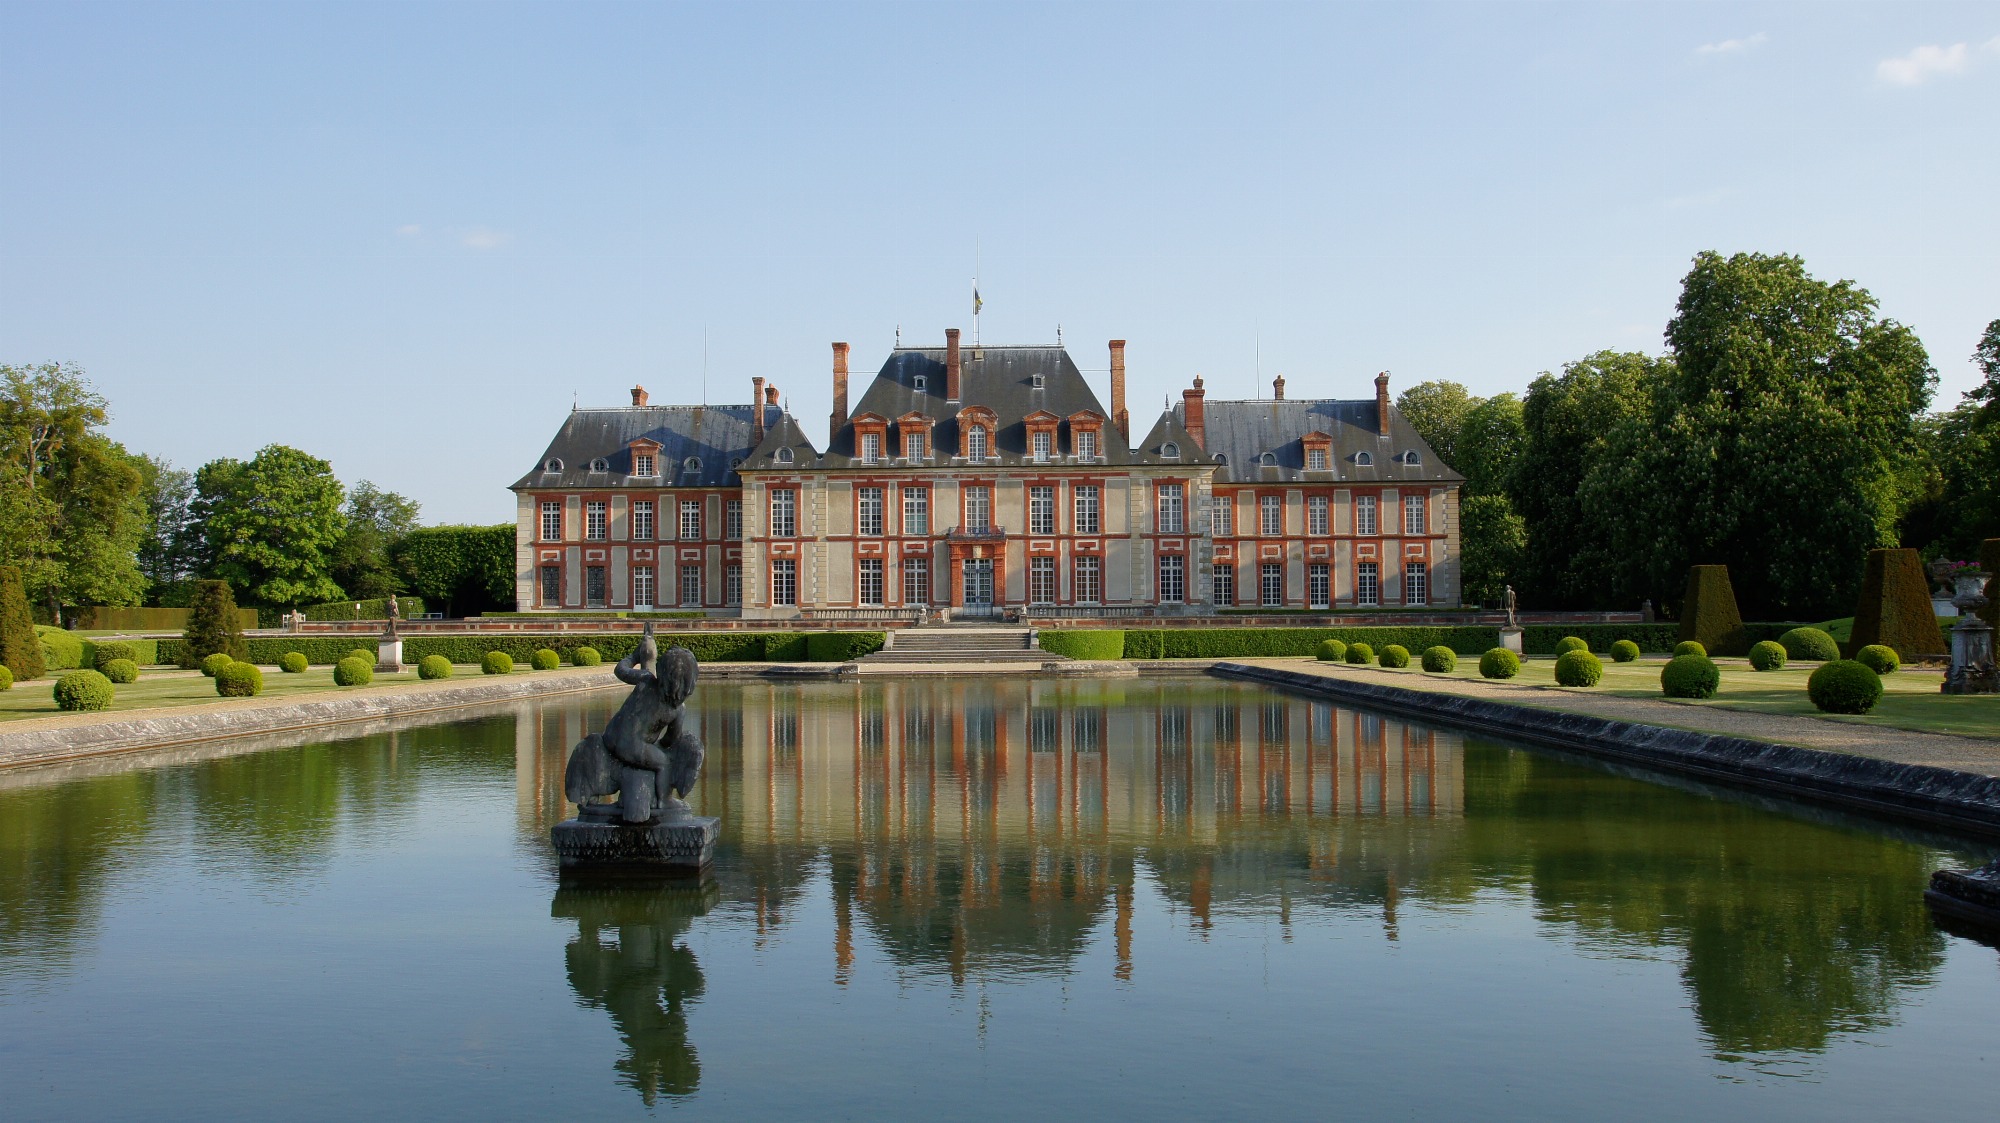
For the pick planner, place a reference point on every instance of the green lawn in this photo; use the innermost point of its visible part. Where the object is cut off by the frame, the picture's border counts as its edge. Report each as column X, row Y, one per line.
column 167, row 687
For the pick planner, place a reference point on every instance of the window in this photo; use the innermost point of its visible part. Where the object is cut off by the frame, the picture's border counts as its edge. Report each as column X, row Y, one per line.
column 782, row 456
column 1271, row 579
column 913, row 444
column 1089, row 580
column 1416, row 583
column 732, row 519
column 1222, row 585
column 978, row 508
column 784, row 581
column 1041, row 510
column 1367, row 585
column 1086, row 445
column 919, row 382
column 691, row 465
column 1268, row 460
column 1224, row 512
column 642, row 522
column 1315, row 460
column 1364, row 459
column 869, row 520
column 784, row 514
column 1271, row 509
column 593, row 520
column 871, row 581
column 1412, row 457
column 1086, row 509
column 552, row 585
column 871, row 448
column 1315, row 514
column 975, row 443
column 600, row 465
column 1170, row 451
column 1173, row 516
column 732, row 585
column 642, row 585
column 594, row 586
column 1413, row 514
column 690, row 520
column 1364, row 514
column 916, row 510
column 642, row 464
column 690, row 586
column 1173, row 579
column 1042, row 580
column 551, row 521
column 552, row 464
column 1319, row 585
column 916, row 580
column 1043, row 443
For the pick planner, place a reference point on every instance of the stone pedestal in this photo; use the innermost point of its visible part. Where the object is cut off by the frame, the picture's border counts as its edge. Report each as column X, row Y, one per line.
column 389, row 655
column 1510, row 638
column 678, row 844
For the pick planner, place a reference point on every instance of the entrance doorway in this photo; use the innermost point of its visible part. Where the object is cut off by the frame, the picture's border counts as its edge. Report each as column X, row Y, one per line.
column 979, row 586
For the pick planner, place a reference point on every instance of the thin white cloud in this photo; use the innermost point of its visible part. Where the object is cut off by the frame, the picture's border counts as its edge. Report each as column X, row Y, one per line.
column 409, row 230
column 1732, row 46
column 484, row 238
column 1923, row 64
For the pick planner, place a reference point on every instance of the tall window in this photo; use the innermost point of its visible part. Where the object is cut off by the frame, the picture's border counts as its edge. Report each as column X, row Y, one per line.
column 732, row 585
column 1089, row 579
column 914, row 441
column 593, row 520
column 1364, row 514
column 642, row 464
column 1086, row 509
column 1042, row 510
column 1225, row 515
column 1041, row 580
column 916, row 580
column 871, row 447
column 643, row 589
column 871, row 581
column 690, row 586
column 1044, row 441
column 642, row 522
column 1319, row 585
column 1315, row 514
column 978, row 508
column 870, row 503
column 784, row 581
column 1416, row 583
column 1222, row 585
column 1315, row 460
column 1367, row 584
column 595, row 586
column 1271, row 581
column 1173, row 579
column 916, row 510
column 1086, row 446
column 551, row 521
column 1413, row 514
column 732, row 519
column 552, row 585
column 690, row 520
column 1173, row 510
column 784, row 514
column 975, row 443
column 1271, row 509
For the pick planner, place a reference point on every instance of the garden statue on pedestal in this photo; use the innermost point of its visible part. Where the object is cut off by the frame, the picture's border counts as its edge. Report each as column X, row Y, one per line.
column 389, row 647
column 1510, row 636
column 1972, row 669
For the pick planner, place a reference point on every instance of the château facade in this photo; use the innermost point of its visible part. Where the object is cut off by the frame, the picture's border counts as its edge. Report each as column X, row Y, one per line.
column 983, row 481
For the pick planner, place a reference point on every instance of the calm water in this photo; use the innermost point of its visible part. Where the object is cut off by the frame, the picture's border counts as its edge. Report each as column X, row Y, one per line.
column 972, row 898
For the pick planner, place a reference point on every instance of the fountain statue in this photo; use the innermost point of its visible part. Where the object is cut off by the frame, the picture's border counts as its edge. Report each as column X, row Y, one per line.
column 650, row 757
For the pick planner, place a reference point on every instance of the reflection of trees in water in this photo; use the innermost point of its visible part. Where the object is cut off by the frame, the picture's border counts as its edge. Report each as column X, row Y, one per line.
column 625, row 961
column 59, row 845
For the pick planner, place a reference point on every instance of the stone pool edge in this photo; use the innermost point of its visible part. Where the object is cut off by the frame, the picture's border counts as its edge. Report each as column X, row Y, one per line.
column 1961, row 801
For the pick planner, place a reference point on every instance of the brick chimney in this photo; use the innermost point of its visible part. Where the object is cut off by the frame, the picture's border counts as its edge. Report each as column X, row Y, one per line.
column 1191, row 406
column 951, row 366
column 1278, row 388
column 1119, row 417
column 638, row 397
column 756, row 411
column 771, row 396
column 839, row 416
column 1382, row 403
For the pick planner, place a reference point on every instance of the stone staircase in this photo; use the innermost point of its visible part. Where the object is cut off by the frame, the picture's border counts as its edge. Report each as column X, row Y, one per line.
column 962, row 643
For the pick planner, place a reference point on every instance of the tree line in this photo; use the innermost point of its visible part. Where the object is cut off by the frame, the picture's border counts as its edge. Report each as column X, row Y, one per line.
column 1785, row 432
column 88, row 522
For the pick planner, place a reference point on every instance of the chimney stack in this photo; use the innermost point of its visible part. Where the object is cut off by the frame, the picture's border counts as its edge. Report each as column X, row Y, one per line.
column 1119, row 417
column 1195, row 415
column 1382, row 403
column 951, row 364
column 839, row 417
column 638, row 397
column 1278, row 388
column 756, row 411
column 770, row 395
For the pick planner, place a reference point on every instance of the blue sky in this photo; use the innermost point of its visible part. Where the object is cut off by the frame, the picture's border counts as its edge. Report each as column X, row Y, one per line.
column 406, row 238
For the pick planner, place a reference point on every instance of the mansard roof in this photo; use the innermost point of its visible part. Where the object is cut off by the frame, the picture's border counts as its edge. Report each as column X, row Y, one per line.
column 1241, row 433
column 1170, row 436
column 784, row 434
column 717, row 437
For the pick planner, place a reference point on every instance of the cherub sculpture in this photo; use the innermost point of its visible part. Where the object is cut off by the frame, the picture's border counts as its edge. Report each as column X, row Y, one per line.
column 647, row 752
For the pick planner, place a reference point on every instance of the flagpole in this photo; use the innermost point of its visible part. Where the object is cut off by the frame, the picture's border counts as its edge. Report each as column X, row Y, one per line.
column 976, row 302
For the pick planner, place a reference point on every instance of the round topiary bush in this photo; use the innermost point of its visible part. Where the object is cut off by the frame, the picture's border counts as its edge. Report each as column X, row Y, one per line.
column 361, row 653
column 211, row 664
column 83, row 690
column 1767, row 655
column 1690, row 676
column 433, row 667
column 1880, row 658
column 120, row 671
column 1440, row 660
column 293, row 662
column 1810, row 645
column 1578, row 668
column 1331, row 651
column 1360, row 653
column 1624, row 651
column 1394, row 656
column 354, row 672
column 545, row 659
column 497, row 663
column 1499, row 663
column 1844, row 686
column 1568, row 644
column 113, row 651
column 240, row 680
column 6, row 677
column 1690, row 647
column 585, row 657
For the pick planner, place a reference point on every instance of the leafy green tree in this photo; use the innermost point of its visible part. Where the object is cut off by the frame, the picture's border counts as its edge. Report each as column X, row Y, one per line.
column 1491, row 441
column 212, row 625
column 1493, row 543
column 20, row 650
column 1437, row 411
column 270, row 525
column 170, row 553
column 376, row 520
column 460, row 569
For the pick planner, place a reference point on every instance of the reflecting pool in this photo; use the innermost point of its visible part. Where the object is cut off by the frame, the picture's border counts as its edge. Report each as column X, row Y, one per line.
column 973, row 897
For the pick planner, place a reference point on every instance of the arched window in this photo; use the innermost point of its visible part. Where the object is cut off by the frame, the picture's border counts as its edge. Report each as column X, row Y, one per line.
column 552, row 464
column 600, row 465
column 1221, row 459
column 1364, row 459
column 1268, row 460
column 692, row 464
column 1412, row 457
column 1171, row 451
column 919, row 382
column 735, row 462
column 975, row 443
column 783, row 456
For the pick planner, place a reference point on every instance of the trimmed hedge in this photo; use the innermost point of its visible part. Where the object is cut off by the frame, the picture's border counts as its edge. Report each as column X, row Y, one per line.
column 780, row 647
column 1844, row 686
column 110, row 650
column 377, row 609
column 1767, row 655
column 1809, row 645
column 1879, row 658
column 1578, row 668
column 1499, row 663
column 1895, row 606
column 61, row 650
column 292, row 662
column 433, row 667
column 211, row 665
column 585, row 657
column 1690, row 647
column 1690, row 676
column 1624, row 651
column 82, row 691
column 239, row 680
column 708, row 647
column 544, row 659
column 1395, row 656
column 1330, row 651
column 1360, row 653
column 496, row 663
column 1709, row 613
column 1084, row 643
column 354, row 672
column 1440, row 660
column 1229, row 643
column 839, row 647
column 120, row 670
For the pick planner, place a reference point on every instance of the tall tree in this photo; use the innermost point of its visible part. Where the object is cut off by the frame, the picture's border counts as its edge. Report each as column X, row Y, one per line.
column 376, row 521
column 270, row 525
column 1491, row 440
column 170, row 554
column 1437, row 411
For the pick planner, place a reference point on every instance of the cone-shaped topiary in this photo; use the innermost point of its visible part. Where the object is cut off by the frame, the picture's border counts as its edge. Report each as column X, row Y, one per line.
column 1394, row 656
column 1690, row 647
column 83, row 690
column 545, row 659
column 585, row 657
column 120, row 671
column 354, row 672
column 1360, row 653
column 1844, row 686
column 1331, row 651
column 212, row 625
column 239, row 680
column 1499, row 663
column 293, row 662
column 497, row 663
column 1568, row 644
column 1878, row 658
column 1624, row 651
column 1767, row 655
column 19, row 649
column 212, row 665
column 1709, row 614
column 1690, row 676
column 1440, row 660
column 433, row 667
column 1809, row 645
column 1895, row 606
column 1578, row 668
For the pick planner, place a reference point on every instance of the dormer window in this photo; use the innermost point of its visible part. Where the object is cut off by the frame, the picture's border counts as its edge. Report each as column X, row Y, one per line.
column 691, row 465
column 642, row 464
column 1268, row 460
column 1221, row 459
column 871, row 447
column 552, row 464
column 1412, row 457
column 975, row 443
column 782, row 456
column 1364, row 459
column 600, row 465
column 920, row 382
column 916, row 444
column 1038, row 381
column 735, row 462
column 1086, row 446
column 1171, row 451
column 1315, row 460
column 1044, row 443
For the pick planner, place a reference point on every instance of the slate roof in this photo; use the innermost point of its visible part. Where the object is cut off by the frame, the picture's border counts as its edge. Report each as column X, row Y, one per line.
column 1168, row 430
column 716, row 436
column 1239, row 433
column 783, row 433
